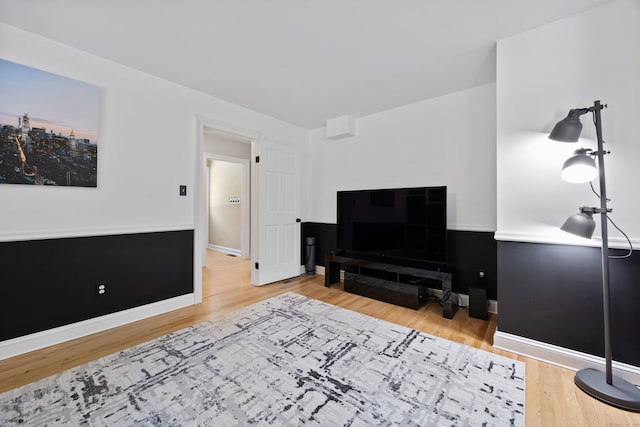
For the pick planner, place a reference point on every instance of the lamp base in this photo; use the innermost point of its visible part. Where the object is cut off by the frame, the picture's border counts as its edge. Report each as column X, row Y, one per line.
column 621, row 394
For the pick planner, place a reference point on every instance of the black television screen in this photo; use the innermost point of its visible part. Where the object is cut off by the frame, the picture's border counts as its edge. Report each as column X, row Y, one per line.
column 406, row 223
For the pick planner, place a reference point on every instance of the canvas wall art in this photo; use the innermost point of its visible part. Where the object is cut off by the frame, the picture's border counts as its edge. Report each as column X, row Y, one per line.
column 48, row 128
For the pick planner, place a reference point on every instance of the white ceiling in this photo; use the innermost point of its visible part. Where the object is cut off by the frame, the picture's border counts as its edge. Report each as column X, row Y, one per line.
column 301, row 61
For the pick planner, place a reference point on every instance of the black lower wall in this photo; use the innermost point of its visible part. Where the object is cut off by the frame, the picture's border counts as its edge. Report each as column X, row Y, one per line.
column 51, row 283
column 553, row 294
column 468, row 253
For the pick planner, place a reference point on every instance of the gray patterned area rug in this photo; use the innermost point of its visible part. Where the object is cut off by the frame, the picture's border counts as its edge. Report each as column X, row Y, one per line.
column 287, row 361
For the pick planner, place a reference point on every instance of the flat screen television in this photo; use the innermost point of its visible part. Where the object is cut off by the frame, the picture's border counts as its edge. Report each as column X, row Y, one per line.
column 397, row 223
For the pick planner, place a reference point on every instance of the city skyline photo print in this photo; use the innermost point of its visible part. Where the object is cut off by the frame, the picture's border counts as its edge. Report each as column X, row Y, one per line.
column 48, row 128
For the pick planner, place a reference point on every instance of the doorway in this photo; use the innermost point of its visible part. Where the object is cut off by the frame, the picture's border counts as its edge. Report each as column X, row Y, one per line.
column 233, row 145
column 227, row 196
column 274, row 223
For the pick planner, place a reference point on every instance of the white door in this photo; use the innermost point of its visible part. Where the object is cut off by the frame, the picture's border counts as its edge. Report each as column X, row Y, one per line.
column 278, row 213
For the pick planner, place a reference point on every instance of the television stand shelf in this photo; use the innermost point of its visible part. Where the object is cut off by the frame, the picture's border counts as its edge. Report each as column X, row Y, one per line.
column 396, row 284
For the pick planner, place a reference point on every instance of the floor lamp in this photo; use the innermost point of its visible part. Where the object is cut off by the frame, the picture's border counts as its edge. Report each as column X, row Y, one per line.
column 582, row 168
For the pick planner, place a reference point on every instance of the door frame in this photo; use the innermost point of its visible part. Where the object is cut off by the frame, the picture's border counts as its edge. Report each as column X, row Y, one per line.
column 245, row 206
column 199, row 246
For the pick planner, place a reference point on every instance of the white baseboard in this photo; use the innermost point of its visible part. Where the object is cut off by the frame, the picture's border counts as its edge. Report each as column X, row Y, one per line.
column 38, row 340
column 224, row 249
column 319, row 270
column 462, row 300
column 562, row 357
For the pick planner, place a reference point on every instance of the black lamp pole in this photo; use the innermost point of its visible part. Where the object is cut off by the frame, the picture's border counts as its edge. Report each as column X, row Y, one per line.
column 605, row 244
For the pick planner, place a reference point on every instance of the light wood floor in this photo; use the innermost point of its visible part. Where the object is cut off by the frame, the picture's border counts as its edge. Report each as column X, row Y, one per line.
column 551, row 397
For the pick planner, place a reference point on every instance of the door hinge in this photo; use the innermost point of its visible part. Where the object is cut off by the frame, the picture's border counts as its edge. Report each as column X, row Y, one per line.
column 257, row 266
column 257, row 159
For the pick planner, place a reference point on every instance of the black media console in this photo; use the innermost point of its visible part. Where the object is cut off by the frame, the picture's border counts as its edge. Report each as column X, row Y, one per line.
column 405, row 286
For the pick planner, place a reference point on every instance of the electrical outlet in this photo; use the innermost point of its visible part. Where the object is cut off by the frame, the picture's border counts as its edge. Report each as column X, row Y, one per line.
column 101, row 289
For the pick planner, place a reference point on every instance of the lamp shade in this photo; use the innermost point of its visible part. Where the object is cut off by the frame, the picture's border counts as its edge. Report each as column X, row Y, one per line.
column 579, row 168
column 580, row 224
column 568, row 129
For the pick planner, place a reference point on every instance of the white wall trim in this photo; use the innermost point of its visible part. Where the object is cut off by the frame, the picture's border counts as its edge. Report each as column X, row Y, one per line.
column 525, row 237
column 231, row 251
column 462, row 300
column 227, row 129
column 456, row 227
column 303, row 270
column 320, row 221
column 493, row 306
column 89, row 232
column 38, row 340
column 561, row 356
column 469, row 227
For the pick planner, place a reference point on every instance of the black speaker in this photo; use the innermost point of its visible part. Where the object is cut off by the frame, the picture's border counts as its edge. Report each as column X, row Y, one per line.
column 478, row 303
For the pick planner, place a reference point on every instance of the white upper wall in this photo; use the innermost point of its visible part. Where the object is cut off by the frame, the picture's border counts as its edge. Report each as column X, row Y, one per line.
column 146, row 148
column 225, row 218
column 544, row 73
column 214, row 143
column 448, row 140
